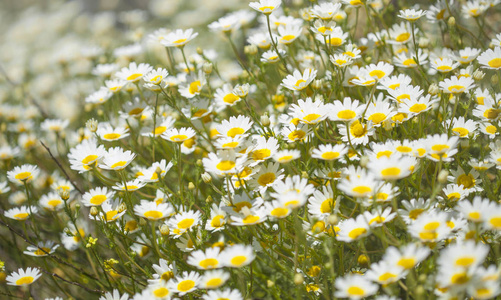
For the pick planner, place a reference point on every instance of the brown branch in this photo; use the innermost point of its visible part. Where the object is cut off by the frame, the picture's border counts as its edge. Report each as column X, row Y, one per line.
column 62, row 169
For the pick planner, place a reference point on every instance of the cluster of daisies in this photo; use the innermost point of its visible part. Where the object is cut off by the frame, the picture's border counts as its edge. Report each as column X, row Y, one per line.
column 350, row 149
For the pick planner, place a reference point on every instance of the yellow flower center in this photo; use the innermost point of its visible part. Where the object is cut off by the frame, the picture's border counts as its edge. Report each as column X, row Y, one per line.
column 355, row 290
column 54, row 202
column 417, row 108
column 390, row 172
column 21, row 216
column 185, row 285
column 23, row 176
column 178, row 137
column 462, row 132
column 217, row 221
column 362, row 189
column 261, row 154
column 230, row 98
column 186, row 223
column 161, row 292
column 465, row 261
column 153, row 214
column 456, row 88
column 355, row 233
column 266, row 178
column 413, row 214
column 24, row 280
column 377, row 73
column 111, row 136
column 492, row 113
column 238, row 260
column 279, row 212
column 377, row 118
column 118, row 165
column 330, row 155
column 387, row 276
column 311, row 117
column 357, row 129
column 296, row 135
column 346, row 114
column 42, row 251
column 407, row 262
column 491, row 129
column 460, row 278
column 403, row 37
column 410, row 62
column 466, row 180
column 134, row 77
column 495, row 63
column 214, row 282
column 225, row 165
column 195, row 87
column 235, row 131
column 250, row 219
column 209, row 263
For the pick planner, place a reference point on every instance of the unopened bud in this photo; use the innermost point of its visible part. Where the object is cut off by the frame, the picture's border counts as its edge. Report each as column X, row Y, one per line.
column 164, row 230
column 298, row 279
column 304, row 174
column 494, row 79
column 191, row 186
column 422, row 278
column 94, row 211
column 250, row 49
column 122, row 207
column 200, row 51
column 465, row 143
column 199, row 162
column 363, row 260
column 317, row 84
column 419, row 290
column 368, row 59
column 209, row 199
column 64, row 194
column 478, row 75
column 91, row 125
column 332, row 219
column 442, row 176
column 270, row 283
column 265, row 120
column 206, row 177
column 142, row 222
column 100, row 112
column 207, row 68
column 423, row 42
column 433, row 89
column 451, row 22
column 241, row 90
column 364, row 160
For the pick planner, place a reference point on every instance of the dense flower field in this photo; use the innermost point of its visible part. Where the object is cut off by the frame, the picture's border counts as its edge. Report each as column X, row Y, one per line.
column 251, row 150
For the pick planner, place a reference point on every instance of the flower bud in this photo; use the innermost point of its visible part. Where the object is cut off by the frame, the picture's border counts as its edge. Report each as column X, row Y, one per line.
column 164, row 229
column 207, row 68
column 250, row 49
column 270, row 283
column 241, row 90
column 495, row 79
column 199, row 162
column 94, row 211
column 209, row 199
column 200, row 51
column 363, row 260
column 191, row 186
column 478, row 75
column 122, row 207
column 442, row 176
column 265, row 120
column 433, row 89
column 317, row 84
column 423, row 42
column 142, row 222
column 64, row 194
column 332, row 219
column 206, row 177
column 451, row 22
column 298, row 279
column 91, row 125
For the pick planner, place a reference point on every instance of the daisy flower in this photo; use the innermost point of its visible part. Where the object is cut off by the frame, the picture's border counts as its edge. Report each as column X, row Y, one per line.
column 467, row 55
column 431, row 227
column 106, row 132
column 226, row 24
column 116, row 159
column 178, row 38
column 361, row 184
column 379, row 111
column 378, row 216
column 205, row 260
column 463, row 128
column 129, row 186
column 155, row 172
column 288, row 33
column 22, row 277
column 329, row 152
column 441, row 147
column 41, row 249
column 406, row 60
column 325, row 10
column 348, row 110
column 224, row 162
column 298, row 81
column 261, row 40
column 491, row 59
column 385, row 273
column 225, row 97
column 214, row 279
column 475, row 211
column 51, row 202
column 265, row 6
column 20, row 213
column 263, row 149
column 295, row 134
column 111, row 211
column 415, row 106
column 4, row 187
column 161, row 127
column 114, row 296
column 185, row 283
column 322, row 203
column 354, row 286
column 457, row 85
column 85, row 155
column 406, row 257
column 178, row 135
column 97, row 196
column 54, row 125
column 335, row 39
column 466, row 254
column 400, row 33
column 237, row 256
column 379, row 71
column 217, row 219
column 309, row 111
column 341, row 60
column 134, row 72
column 248, row 216
column 271, row 56
column 152, row 211
column 405, row 92
column 353, row 229
column 23, row 174
column 236, row 126
column 183, row 221
column 358, row 132
column 411, row 14
column 193, row 86
column 444, row 65
column 285, row 156
column 223, row 294
column 266, row 177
